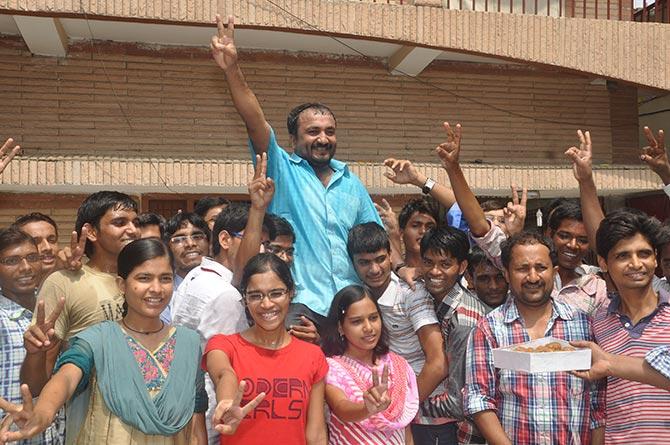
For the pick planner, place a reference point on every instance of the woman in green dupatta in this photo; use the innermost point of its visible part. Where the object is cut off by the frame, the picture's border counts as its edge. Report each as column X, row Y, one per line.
column 135, row 381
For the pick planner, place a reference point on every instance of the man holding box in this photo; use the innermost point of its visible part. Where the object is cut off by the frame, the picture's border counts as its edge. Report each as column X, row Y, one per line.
column 511, row 407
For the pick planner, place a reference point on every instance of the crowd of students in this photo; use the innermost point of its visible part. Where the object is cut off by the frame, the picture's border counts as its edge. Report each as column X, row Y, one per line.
column 311, row 315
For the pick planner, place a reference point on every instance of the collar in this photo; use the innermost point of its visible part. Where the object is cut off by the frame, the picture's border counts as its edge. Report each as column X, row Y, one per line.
column 212, row 266
column 388, row 298
column 14, row 310
column 615, row 300
column 586, row 280
column 558, row 310
column 450, row 302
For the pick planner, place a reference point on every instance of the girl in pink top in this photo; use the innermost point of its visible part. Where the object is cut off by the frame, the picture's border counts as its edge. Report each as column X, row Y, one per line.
column 371, row 392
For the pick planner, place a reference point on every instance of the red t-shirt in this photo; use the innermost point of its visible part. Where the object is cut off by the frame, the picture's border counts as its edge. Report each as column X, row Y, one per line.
column 286, row 376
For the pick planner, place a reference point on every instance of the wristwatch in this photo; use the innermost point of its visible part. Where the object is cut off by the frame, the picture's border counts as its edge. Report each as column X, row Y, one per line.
column 428, row 186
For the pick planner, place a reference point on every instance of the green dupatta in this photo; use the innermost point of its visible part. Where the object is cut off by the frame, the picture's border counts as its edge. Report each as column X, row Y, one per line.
column 122, row 385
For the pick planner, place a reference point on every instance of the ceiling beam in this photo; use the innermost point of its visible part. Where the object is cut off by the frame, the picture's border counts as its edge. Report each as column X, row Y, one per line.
column 44, row 36
column 412, row 60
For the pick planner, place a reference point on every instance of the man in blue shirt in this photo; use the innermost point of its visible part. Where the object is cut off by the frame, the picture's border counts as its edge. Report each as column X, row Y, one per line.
column 317, row 194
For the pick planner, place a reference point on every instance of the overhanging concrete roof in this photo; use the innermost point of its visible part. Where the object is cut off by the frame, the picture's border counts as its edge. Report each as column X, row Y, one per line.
column 622, row 50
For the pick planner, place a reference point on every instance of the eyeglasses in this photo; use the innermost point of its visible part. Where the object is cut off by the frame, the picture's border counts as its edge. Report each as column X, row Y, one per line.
column 195, row 237
column 236, row 234
column 277, row 250
column 275, row 295
column 15, row 260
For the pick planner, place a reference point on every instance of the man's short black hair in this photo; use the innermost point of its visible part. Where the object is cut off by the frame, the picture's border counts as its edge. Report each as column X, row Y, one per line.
column 369, row 237
column 34, row 217
column 94, row 208
column 182, row 219
column 492, row 204
column 281, row 227
column 476, row 257
column 152, row 219
column 12, row 237
column 420, row 205
column 233, row 219
column 550, row 207
column 446, row 240
column 204, row 204
column 526, row 238
column 625, row 223
column 294, row 115
column 568, row 210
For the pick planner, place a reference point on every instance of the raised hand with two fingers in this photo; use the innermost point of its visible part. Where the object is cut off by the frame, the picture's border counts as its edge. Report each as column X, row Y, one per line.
column 229, row 412
column 449, row 151
column 223, row 43
column 261, row 188
column 377, row 397
column 581, row 157
column 515, row 212
column 40, row 336
column 655, row 155
column 388, row 216
column 28, row 421
column 70, row 256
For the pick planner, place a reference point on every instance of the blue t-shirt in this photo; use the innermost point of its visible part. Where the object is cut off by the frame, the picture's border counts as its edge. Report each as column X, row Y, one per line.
column 321, row 218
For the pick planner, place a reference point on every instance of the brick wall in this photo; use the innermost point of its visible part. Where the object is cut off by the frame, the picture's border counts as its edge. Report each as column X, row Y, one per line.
column 117, row 98
column 61, row 207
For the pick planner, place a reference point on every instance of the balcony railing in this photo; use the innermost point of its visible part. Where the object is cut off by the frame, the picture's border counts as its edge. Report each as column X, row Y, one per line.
column 632, row 10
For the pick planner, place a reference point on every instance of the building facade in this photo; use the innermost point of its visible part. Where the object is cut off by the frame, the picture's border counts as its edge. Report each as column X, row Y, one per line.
column 124, row 95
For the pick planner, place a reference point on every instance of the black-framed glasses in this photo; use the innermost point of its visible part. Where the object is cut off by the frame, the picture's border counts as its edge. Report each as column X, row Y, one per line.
column 275, row 295
column 195, row 237
column 15, row 260
column 277, row 250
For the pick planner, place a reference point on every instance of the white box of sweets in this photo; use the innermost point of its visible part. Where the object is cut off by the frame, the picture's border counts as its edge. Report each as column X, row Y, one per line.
column 532, row 356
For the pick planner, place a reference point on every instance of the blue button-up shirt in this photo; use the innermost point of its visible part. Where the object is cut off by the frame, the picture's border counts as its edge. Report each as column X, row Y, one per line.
column 14, row 321
column 321, row 218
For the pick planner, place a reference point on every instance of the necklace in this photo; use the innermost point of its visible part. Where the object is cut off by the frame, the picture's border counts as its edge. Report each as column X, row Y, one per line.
column 144, row 332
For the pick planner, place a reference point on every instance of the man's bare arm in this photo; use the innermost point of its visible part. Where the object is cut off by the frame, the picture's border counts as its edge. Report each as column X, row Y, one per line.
column 489, row 425
column 588, row 195
column 436, row 368
column 244, row 99
column 42, row 348
column 449, row 153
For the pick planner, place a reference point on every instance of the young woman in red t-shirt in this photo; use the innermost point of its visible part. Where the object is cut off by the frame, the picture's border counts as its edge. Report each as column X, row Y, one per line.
column 269, row 385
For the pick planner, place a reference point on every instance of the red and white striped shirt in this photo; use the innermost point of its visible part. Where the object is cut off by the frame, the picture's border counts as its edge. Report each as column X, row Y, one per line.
column 636, row 412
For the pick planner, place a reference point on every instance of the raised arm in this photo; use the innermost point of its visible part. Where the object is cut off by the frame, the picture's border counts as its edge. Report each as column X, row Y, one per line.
column 588, row 195
column 245, row 101
column 655, row 156
column 449, row 153
column 42, row 347
column 404, row 172
column 261, row 191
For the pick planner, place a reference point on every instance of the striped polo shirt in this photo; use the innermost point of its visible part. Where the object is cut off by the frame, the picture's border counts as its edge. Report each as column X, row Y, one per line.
column 636, row 412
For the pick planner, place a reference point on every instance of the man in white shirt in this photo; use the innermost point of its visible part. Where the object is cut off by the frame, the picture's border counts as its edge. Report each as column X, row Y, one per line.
column 206, row 300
